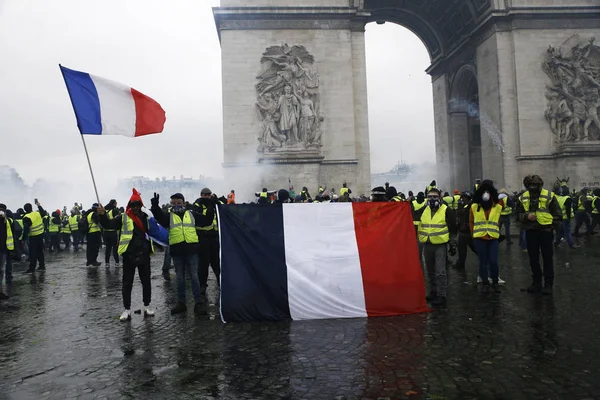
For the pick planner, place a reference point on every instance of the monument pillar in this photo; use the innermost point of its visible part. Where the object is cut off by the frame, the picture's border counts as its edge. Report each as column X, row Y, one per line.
column 294, row 95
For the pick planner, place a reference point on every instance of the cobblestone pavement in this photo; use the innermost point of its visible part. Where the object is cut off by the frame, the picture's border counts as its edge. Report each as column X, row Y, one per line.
column 60, row 337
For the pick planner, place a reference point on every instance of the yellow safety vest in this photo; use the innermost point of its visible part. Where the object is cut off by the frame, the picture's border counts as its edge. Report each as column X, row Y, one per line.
column 433, row 228
column 417, row 206
column 506, row 210
column 562, row 200
column 594, row 209
column 343, row 191
column 483, row 226
column 182, row 230
column 74, row 223
column 66, row 228
column 214, row 226
column 449, row 200
column 20, row 222
column 10, row 241
column 397, row 198
column 37, row 223
column 456, row 200
column 94, row 227
column 52, row 227
column 543, row 213
column 264, row 194
column 127, row 235
column 582, row 200
column 110, row 215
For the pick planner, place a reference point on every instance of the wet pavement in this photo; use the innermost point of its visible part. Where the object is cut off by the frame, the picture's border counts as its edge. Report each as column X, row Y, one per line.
column 60, row 337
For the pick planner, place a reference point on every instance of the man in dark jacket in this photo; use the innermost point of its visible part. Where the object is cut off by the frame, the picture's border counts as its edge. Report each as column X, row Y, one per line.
column 205, row 211
column 183, row 247
column 539, row 213
column 33, row 229
column 7, row 244
column 94, row 236
column 135, row 246
column 464, row 230
column 111, row 236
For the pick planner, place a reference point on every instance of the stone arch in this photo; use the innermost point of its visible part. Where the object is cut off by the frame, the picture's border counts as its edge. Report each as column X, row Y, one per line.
column 465, row 127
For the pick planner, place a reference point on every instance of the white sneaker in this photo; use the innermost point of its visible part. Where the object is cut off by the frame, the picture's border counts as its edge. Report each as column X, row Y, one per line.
column 126, row 316
column 479, row 279
column 148, row 312
column 500, row 281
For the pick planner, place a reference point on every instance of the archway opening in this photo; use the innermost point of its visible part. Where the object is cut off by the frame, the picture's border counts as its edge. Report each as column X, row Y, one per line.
column 401, row 120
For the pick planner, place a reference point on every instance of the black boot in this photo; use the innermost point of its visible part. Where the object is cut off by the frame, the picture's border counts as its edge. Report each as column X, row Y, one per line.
column 439, row 301
column 179, row 308
column 548, row 290
column 431, row 296
column 535, row 287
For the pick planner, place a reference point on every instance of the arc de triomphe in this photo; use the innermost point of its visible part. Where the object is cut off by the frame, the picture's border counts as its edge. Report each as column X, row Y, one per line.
column 515, row 87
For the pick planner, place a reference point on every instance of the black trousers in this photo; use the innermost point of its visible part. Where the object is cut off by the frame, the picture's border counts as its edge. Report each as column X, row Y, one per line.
column 209, row 254
column 93, row 247
column 129, row 267
column 76, row 239
column 36, row 251
column 541, row 241
column 111, row 240
column 54, row 241
column 66, row 239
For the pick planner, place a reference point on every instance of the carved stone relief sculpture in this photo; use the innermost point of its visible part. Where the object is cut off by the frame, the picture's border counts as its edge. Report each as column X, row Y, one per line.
column 573, row 96
column 288, row 101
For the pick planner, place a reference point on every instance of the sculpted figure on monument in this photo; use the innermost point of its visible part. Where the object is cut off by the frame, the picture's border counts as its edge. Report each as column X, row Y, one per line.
column 573, row 99
column 288, row 100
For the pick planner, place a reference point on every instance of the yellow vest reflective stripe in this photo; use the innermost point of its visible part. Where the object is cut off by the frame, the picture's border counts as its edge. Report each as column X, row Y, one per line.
column 594, row 209
column 127, row 235
column 506, row 210
column 264, row 195
column 52, row 227
column 562, row 200
column 67, row 227
column 214, row 225
column 343, row 191
column 37, row 223
column 582, row 200
column 74, row 223
column 20, row 222
column 486, row 226
column 10, row 241
column 182, row 230
column 456, row 200
column 110, row 215
column 94, row 227
column 397, row 198
column 543, row 214
column 433, row 228
column 417, row 206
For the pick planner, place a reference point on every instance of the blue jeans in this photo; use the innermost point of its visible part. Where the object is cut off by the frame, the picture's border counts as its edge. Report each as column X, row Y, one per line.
column 487, row 251
column 523, row 240
column 187, row 263
column 565, row 232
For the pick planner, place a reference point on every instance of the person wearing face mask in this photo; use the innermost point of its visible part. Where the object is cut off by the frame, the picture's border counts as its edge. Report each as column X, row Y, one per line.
column 437, row 224
column 484, row 222
column 183, row 247
column 540, row 214
column 135, row 246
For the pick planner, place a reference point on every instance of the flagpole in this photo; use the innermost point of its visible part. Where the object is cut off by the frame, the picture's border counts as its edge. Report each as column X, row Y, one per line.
column 91, row 171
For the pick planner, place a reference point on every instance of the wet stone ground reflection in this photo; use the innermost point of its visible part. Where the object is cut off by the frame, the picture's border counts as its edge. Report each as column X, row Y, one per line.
column 60, row 337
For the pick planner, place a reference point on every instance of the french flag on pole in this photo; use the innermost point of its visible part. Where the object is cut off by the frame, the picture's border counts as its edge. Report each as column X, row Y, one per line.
column 104, row 107
column 313, row 261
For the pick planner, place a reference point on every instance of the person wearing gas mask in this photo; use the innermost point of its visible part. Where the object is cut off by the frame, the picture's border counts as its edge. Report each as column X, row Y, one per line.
column 484, row 222
column 540, row 214
column 183, row 247
column 437, row 224
column 135, row 246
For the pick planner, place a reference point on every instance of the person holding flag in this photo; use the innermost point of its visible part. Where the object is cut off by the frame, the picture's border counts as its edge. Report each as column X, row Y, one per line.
column 135, row 246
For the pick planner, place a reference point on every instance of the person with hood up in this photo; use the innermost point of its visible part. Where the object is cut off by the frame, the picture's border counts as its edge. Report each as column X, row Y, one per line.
column 111, row 236
column 33, row 229
column 539, row 214
column 183, row 247
column 391, row 194
column 437, row 225
column 484, row 221
column 135, row 246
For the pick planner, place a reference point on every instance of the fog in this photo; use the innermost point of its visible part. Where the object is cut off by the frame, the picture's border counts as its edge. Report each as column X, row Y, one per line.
column 169, row 51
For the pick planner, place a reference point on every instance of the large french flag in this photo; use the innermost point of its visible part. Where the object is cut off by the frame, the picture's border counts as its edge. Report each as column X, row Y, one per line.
column 104, row 107
column 312, row 261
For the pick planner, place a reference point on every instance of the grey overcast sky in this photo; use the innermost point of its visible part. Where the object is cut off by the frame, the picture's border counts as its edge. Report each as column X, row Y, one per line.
column 168, row 50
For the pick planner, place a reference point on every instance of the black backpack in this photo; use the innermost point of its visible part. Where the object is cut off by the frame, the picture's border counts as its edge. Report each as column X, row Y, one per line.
column 83, row 225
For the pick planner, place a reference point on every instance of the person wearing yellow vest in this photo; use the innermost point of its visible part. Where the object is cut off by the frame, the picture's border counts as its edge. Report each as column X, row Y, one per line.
column 54, row 223
column 417, row 205
column 7, row 244
column 65, row 230
column 566, row 207
column 583, row 207
column 205, row 210
column 74, row 227
column 183, row 247
column 93, row 237
column 111, row 236
column 135, row 246
column 484, row 222
column 263, row 196
column 345, row 190
column 595, row 209
column 391, row 194
column 539, row 213
column 305, row 195
column 507, row 213
column 33, row 229
column 437, row 224
column 456, row 199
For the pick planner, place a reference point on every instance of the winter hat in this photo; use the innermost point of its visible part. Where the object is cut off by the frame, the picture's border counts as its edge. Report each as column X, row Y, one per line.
column 135, row 197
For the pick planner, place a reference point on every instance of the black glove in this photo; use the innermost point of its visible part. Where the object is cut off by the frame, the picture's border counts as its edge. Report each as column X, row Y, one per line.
column 154, row 200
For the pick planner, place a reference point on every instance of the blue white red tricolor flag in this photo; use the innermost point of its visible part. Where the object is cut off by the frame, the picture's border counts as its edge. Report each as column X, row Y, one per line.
column 312, row 261
column 104, row 107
